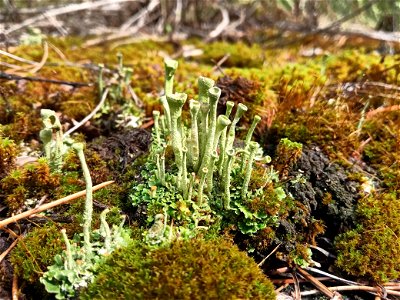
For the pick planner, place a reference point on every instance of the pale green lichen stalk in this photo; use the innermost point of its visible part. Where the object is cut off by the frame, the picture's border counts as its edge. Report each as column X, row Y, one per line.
column 253, row 147
column 203, row 148
column 88, row 212
column 53, row 148
column 176, row 102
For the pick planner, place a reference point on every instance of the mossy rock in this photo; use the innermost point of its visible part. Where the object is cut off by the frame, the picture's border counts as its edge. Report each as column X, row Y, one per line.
column 194, row 269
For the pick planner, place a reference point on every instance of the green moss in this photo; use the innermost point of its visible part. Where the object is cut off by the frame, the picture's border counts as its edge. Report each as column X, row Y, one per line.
column 372, row 249
column 194, row 269
column 240, row 54
column 35, row 252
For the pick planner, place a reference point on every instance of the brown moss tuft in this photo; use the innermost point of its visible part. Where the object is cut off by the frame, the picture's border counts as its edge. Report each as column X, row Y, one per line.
column 27, row 185
column 8, row 153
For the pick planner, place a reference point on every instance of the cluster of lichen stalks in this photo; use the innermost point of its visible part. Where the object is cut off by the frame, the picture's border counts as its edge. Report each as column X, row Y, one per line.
column 206, row 148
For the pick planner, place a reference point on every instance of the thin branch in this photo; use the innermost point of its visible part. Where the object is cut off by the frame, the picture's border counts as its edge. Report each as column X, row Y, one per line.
column 353, row 288
column 14, row 288
column 139, row 16
column 320, row 286
column 43, row 60
column 221, row 26
column 7, row 76
column 89, row 116
column 61, row 11
column 17, row 58
column 331, row 276
column 265, row 258
column 130, row 31
column 47, row 206
column 4, row 254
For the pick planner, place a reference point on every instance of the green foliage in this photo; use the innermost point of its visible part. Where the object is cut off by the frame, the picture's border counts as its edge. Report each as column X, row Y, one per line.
column 372, row 249
column 194, row 269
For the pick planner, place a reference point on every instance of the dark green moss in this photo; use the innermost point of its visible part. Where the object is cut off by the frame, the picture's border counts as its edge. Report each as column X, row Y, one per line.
column 194, row 269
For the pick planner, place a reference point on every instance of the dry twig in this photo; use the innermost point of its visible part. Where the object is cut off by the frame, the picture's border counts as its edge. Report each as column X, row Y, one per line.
column 89, row 116
column 321, row 287
column 4, row 254
column 62, row 11
column 353, row 288
column 47, row 206
column 7, row 76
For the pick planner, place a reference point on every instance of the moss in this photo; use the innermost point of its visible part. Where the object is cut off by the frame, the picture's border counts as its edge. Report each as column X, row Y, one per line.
column 8, row 153
column 194, row 269
column 372, row 249
column 287, row 154
column 35, row 252
column 240, row 54
column 28, row 184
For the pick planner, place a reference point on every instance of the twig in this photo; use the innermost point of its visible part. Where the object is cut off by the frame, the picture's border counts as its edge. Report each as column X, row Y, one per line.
column 323, row 251
column 130, row 31
column 43, row 60
column 61, row 11
column 17, row 58
column 297, row 294
column 89, row 116
column 372, row 113
column 220, row 62
column 316, row 283
column 352, row 288
column 55, row 81
column 281, row 288
column 147, row 124
column 139, row 16
column 331, row 276
column 4, row 254
column 47, row 206
column 53, row 20
column 265, row 258
column 14, row 288
column 291, row 280
column 221, row 26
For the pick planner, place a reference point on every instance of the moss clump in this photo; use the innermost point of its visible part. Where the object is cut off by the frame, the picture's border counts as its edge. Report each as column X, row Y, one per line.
column 8, row 152
column 372, row 249
column 33, row 254
column 22, row 188
column 194, row 269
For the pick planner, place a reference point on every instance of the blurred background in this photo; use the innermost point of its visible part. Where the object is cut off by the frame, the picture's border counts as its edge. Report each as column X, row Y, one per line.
column 274, row 22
